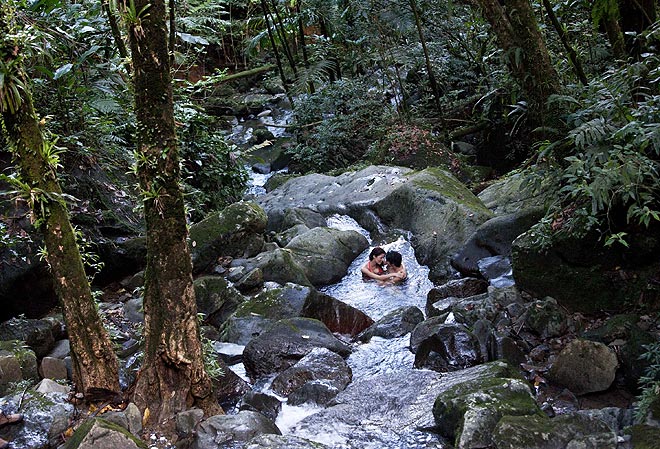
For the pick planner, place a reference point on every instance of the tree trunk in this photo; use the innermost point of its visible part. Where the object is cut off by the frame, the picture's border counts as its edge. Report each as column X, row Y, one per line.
column 518, row 35
column 172, row 377
column 303, row 46
column 278, row 60
column 572, row 55
column 427, row 59
column 95, row 369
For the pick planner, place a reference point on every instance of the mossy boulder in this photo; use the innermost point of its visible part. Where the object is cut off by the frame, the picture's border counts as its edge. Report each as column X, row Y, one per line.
column 440, row 211
column 512, row 194
column 256, row 314
column 537, row 431
column 235, row 231
column 98, row 433
column 216, row 299
column 17, row 362
column 468, row 412
column 279, row 265
column 584, row 366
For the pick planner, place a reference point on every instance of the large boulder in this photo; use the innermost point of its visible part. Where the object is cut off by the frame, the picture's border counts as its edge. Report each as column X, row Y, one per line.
column 456, row 288
column 98, row 433
column 584, row 367
column 325, row 253
column 514, row 193
column 570, row 431
column 340, row 317
column 256, row 314
column 216, row 299
column 37, row 334
column 439, row 211
column 396, row 323
column 218, row 431
column 444, row 347
column 235, row 231
column 468, row 413
column 286, row 342
column 320, row 365
column 494, row 238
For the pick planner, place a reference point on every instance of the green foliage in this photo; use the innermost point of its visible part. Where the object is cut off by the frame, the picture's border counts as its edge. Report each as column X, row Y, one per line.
column 649, row 382
column 212, row 172
column 211, row 363
column 337, row 125
column 608, row 163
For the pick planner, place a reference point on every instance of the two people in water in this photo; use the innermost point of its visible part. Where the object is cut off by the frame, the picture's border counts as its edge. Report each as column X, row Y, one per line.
column 385, row 267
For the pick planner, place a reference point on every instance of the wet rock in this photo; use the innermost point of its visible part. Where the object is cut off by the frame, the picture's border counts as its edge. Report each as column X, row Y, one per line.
column 229, row 387
column 216, row 299
column 396, row 323
column 468, row 413
column 432, row 204
column 279, row 265
column 474, row 308
column 457, row 288
column 497, row 270
column 338, row 316
column 315, row 391
column 283, row 238
column 443, row 347
column 267, row 405
column 325, row 253
column 230, row 353
column 286, row 342
column 569, row 431
column 270, row 441
column 236, row 231
column 319, row 364
column 254, row 315
column 61, row 349
column 218, row 431
column 494, row 238
column 584, row 367
column 546, row 318
column 98, row 433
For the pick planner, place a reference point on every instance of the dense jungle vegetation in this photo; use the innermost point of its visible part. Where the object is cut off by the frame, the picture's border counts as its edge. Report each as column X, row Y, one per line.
column 566, row 92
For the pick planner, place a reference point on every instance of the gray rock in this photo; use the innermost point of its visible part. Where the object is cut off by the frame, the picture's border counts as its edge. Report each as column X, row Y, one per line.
column 432, row 204
column 497, row 270
column 510, row 195
column 443, row 347
column 133, row 310
column 37, row 334
column 61, row 349
column 134, row 418
column 235, row 231
column 270, row 441
column 251, row 281
column 396, row 323
column 216, row 299
column 319, row 364
column 53, row 368
column 47, row 386
column 267, row 405
column 546, row 318
column 218, row 431
column 286, row 342
column 187, row 421
column 303, row 216
column 98, row 433
column 457, row 288
column 17, row 362
column 584, row 367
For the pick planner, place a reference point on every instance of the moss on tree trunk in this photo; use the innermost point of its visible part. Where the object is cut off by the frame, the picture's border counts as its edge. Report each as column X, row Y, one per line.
column 172, row 377
column 95, row 368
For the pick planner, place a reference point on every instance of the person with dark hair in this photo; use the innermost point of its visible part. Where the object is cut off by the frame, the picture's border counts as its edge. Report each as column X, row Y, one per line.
column 396, row 269
column 6, row 420
column 374, row 269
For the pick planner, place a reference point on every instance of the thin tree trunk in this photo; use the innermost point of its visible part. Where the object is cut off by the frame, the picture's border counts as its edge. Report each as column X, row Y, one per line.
column 615, row 36
column 278, row 60
column 95, row 368
column 116, row 34
column 427, row 59
column 572, row 55
column 303, row 46
column 172, row 377
column 172, row 11
column 285, row 42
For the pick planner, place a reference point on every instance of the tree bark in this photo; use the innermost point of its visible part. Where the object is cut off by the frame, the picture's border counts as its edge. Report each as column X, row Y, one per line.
column 518, row 35
column 95, row 368
column 172, row 377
